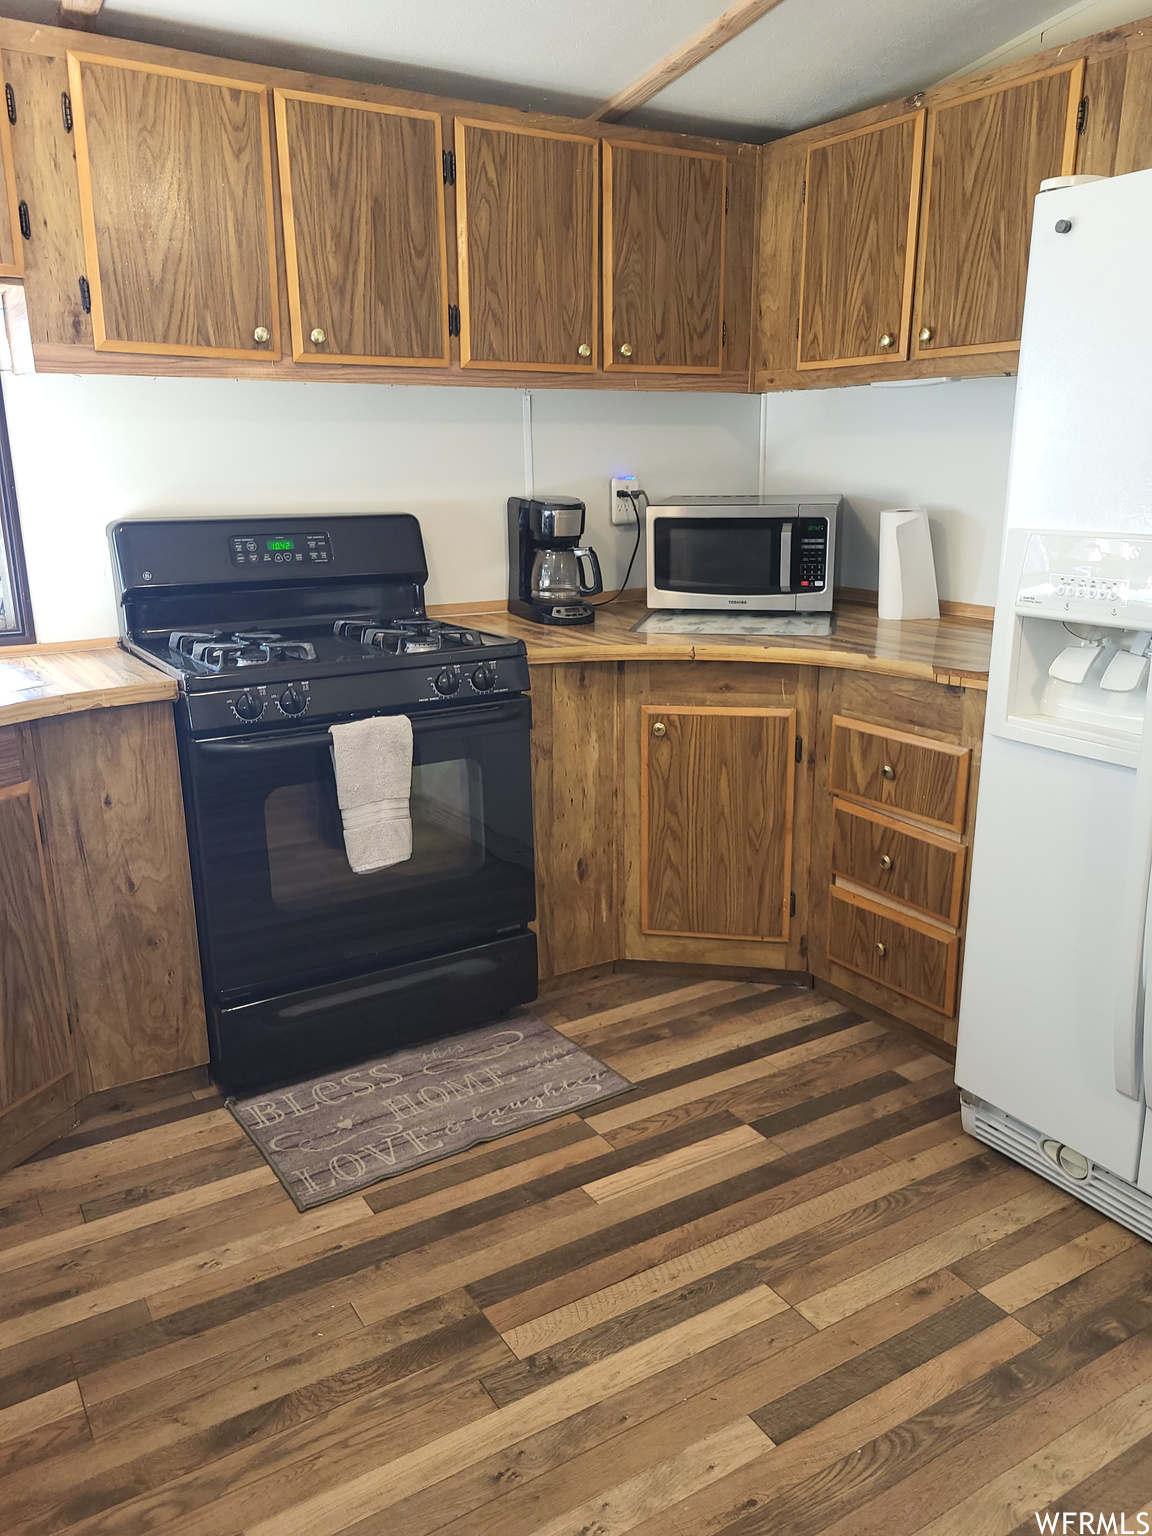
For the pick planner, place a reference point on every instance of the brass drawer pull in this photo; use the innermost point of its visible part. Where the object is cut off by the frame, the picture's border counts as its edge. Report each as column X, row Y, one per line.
column 659, row 728
column 261, row 334
column 319, row 337
column 584, row 349
column 886, row 861
column 881, row 949
column 625, row 349
column 926, row 333
column 886, row 341
column 888, row 772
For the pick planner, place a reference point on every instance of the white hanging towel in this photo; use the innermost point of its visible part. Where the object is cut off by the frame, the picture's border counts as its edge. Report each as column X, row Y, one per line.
column 373, row 764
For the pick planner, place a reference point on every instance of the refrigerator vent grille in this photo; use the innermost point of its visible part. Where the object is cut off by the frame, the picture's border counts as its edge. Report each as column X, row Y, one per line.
column 1122, row 1201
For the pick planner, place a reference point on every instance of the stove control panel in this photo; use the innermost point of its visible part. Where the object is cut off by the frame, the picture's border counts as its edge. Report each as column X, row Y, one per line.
column 279, row 549
column 284, row 705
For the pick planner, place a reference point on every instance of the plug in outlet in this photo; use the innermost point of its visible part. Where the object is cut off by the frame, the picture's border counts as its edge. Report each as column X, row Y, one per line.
column 623, row 511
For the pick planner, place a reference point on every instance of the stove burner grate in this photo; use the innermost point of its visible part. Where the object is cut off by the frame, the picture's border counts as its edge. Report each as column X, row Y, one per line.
column 405, row 636
column 218, row 651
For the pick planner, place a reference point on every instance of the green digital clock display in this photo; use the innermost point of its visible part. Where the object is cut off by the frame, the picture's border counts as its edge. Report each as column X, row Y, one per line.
column 281, row 543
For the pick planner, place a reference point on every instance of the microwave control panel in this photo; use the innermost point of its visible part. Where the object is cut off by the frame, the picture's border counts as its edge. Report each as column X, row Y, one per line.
column 812, row 542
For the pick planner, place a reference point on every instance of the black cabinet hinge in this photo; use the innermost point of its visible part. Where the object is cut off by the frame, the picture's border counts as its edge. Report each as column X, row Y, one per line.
column 25, row 220
column 799, row 749
column 1082, row 115
column 70, row 1029
column 453, row 319
column 723, row 333
column 803, row 193
column 449, row 158
column 40, row 829
column 85, row 296
column 10, row 98
column 797, row 327
column 725, row 199
column 66, row 108
column 792, row 905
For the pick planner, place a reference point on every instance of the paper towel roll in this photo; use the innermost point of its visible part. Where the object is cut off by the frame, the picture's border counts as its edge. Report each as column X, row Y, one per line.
column 907, row 574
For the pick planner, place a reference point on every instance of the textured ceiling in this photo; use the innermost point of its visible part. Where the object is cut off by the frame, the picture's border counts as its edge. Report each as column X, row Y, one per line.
column 806, row 61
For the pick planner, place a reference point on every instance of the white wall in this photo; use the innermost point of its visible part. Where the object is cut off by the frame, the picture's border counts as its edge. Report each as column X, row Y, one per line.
column 942, row 446
column 91, row 449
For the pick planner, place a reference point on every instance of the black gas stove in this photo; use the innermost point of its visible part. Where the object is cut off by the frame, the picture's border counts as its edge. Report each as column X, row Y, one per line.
column 276, row 630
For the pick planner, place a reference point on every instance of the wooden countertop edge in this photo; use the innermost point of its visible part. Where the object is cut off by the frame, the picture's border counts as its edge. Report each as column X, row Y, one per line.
column 65, row 695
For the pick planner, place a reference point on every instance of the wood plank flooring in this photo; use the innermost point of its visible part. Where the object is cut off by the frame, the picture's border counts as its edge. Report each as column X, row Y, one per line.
column 772, row 1289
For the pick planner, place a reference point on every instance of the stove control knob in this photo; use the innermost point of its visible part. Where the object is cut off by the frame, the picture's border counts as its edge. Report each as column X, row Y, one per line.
column 293, row 701
column 483, row 678
column 249, row 706
column 446, row 682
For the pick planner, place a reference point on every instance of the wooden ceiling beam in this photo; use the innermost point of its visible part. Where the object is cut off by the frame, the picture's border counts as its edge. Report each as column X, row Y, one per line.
column 82, row 14
column 729, row 24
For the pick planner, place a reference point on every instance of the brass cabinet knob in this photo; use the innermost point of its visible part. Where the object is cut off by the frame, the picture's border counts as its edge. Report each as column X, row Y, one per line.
column 318, row 336
column 261, row 333
column 886, row 861
column 881, row 949
column 886, row 340
column 584, row 349
column 659, row 728
column 625, row 349
column 888, row 771
column 925, row 333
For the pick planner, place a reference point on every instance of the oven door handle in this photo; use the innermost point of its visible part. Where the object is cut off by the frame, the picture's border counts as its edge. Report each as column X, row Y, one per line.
column 234, row 746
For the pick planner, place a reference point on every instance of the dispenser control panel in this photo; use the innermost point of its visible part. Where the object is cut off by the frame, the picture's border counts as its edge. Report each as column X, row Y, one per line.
column 1086, row 579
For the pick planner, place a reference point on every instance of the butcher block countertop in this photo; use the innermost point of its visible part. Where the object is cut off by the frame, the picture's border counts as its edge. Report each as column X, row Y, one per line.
column 945, row 650
column 37, row 683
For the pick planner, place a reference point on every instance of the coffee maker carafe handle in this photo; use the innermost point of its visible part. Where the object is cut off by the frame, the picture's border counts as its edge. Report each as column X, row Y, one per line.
column 590, row 589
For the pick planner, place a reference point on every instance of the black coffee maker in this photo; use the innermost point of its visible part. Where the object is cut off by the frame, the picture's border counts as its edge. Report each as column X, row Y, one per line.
column 545, row 561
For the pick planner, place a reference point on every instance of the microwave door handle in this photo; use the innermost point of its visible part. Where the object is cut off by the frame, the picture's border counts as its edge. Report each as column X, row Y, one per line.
column 785, row 557
column 1134, row 1003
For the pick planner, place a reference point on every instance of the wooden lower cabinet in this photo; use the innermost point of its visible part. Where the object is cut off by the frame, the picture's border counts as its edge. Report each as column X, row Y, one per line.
column 36, row 1085
column 117, row 847
column 717, row 801
column 889, row 850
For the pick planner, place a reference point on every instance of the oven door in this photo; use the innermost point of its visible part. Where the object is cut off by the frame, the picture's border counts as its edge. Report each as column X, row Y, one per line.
column 278, row 904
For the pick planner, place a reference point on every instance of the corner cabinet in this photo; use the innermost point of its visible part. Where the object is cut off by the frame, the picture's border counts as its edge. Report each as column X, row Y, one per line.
column 664, row 255
column 716, row 812
column 861, row 201
column 987, row 155
column 362, row 189
column 36, row 1061
column 526, row 217
column 175, row 176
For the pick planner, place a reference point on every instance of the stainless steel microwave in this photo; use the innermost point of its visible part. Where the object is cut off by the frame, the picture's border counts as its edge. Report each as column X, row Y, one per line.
column 767, row 554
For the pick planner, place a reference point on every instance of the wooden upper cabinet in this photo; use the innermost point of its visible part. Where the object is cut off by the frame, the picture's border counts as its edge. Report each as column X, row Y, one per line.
column 35, row 1046
column 362, row 188
column 716, row 817
column 664, row 247
column 175, row 173
column 527, row 237
column 987, row 155
column 861, row 202
column 11, row 240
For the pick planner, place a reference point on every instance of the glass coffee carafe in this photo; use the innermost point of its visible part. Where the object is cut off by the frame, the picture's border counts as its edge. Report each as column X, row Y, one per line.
column 557, row 576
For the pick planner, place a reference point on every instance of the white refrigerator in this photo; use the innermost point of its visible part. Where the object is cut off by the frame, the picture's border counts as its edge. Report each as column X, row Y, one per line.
column 1054, row 1056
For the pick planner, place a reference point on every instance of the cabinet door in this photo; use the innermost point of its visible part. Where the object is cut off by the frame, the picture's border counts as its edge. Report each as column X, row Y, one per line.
column 527, row 236
column 362, row 188
column 35, row 1049
column 11, row 240
column 175, row 173
column 663, row 259
column 861, row 200
column 716, row 818
column 986, row 157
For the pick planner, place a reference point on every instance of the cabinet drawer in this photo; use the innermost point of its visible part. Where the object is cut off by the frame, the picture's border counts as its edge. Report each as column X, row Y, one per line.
column 920, row 868
column 913, row 774
column 908, row 956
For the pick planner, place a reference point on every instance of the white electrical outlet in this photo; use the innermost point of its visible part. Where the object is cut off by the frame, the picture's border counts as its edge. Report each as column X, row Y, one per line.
column 623, row 510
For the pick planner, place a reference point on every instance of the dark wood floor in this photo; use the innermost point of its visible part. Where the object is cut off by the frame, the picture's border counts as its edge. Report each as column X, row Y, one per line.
column 773, row 1289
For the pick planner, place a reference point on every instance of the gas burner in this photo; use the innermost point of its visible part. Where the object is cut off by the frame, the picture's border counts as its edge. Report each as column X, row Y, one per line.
column 405, row 636
column 245, row 648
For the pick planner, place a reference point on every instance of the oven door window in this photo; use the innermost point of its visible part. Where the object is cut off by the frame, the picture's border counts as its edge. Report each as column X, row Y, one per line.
column 277, row 902
column 718, row 556
column 307, row 866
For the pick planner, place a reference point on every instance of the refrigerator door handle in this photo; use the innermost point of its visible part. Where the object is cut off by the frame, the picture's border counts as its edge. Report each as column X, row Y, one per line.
column 1133, row 1002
